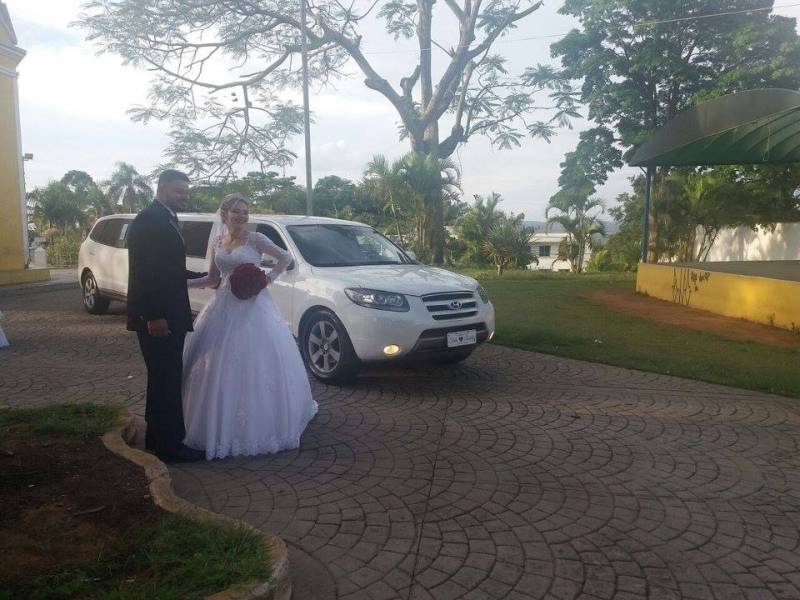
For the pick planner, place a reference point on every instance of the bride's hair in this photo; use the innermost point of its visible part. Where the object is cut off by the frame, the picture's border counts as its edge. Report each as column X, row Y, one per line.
column 229, row 201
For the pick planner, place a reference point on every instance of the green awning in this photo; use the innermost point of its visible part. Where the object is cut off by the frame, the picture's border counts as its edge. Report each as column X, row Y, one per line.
column 752, row 127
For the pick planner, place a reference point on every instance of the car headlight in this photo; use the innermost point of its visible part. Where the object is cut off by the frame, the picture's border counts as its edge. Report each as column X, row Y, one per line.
column 482, row 293
column 378, row 299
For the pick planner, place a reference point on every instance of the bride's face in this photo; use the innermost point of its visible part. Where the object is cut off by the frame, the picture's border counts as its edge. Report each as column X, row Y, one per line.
column 238, row 215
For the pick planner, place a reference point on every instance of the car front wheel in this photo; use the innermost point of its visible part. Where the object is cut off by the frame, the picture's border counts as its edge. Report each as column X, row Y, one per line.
column 93, row 302
column 326, row 348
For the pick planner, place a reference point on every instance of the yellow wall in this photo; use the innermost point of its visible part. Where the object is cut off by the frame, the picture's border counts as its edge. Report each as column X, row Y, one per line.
column 12, row 221
column 770, row 301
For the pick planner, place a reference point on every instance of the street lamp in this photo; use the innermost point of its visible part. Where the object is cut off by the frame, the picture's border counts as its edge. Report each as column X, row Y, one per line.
column 307, row 128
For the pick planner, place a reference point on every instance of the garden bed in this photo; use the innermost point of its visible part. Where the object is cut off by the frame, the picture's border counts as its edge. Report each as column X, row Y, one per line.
column 77, row 521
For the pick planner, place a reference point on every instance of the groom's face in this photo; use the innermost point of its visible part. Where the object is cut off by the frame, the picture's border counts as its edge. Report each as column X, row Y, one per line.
column 174, row 194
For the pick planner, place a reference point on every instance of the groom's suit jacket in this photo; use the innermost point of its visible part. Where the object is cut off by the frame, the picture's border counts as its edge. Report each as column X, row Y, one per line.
column 157, row 271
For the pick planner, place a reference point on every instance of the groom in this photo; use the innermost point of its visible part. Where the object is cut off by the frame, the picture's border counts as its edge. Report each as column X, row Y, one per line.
column 159, row 312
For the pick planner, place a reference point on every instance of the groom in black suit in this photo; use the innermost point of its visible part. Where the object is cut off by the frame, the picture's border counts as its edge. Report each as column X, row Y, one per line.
column 160, row 314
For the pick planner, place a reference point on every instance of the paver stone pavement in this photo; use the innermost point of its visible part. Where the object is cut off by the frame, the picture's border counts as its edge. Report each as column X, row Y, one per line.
column 515, row 475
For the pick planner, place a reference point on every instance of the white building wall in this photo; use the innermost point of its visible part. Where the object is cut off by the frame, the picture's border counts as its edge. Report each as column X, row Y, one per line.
column 552, row 263
column 742, row 244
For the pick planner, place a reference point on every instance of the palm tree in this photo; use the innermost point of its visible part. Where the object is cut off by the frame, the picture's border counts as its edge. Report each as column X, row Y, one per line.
column 57, row 206
column 581, row 227
column 474, row 226
column 508, row 243
column 96, row 203
column 387, row 182
column 128, row 188
column 436, row 183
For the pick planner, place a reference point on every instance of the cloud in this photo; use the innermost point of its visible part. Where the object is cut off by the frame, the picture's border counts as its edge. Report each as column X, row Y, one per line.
column 31, row 34
column 55, row 14
column 74, row 80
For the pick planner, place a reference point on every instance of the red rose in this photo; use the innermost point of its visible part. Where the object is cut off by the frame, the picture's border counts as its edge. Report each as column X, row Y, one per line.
column 247, row 280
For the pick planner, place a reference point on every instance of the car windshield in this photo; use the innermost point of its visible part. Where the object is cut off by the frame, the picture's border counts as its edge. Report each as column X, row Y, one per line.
column 333, row 245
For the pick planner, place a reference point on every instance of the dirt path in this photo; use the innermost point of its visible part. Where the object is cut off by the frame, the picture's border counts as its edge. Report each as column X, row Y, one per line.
column 678, row 315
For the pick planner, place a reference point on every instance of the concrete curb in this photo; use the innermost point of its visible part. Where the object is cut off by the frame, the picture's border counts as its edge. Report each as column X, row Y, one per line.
column 279, row 586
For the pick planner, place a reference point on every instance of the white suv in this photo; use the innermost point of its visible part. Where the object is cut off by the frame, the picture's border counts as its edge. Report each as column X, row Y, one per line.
column 351, row 295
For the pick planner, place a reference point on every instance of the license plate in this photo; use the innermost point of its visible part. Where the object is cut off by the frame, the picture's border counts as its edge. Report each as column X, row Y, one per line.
column 461, row 338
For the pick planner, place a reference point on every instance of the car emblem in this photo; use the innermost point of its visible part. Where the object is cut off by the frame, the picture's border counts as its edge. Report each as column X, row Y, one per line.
column 455, row 305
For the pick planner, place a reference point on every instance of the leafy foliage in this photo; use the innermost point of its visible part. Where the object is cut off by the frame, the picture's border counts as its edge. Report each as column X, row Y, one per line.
column 56, row 205
column 475, row 226
column 638, row 64
column 574, row 213
column 128, row 189
column 221, row 65
column 509, row 244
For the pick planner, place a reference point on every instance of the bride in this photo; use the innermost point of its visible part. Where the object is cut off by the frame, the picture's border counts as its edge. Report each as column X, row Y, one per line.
column 245, row 388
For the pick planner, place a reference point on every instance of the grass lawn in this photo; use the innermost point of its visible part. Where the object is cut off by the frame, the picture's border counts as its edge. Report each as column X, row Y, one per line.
column 545, row 312
column 76, row 521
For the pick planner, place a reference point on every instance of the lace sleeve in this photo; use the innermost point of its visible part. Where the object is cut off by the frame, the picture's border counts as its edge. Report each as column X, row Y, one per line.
column 213, row 278
column 265, row 246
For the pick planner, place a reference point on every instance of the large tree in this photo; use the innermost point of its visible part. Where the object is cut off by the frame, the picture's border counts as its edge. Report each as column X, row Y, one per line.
column 57, row 206
column 89, row 194
column 641, row 62
column 221, row 65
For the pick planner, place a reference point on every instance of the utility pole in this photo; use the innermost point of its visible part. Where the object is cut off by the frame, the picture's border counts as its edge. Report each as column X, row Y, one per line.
column 646, row 213
column 307, row 123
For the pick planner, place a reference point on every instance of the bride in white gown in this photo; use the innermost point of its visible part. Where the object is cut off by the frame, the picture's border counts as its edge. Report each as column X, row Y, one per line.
column 245, row 388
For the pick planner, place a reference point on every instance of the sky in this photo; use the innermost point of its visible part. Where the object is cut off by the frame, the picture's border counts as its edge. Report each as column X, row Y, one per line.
column 73, row 110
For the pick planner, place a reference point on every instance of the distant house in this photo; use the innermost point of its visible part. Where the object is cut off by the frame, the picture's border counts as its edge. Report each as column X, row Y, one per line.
column 546, row 241
column 545, row 249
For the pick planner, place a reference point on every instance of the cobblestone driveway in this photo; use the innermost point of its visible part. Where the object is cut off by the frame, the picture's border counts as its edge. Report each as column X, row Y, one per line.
column 517, row 475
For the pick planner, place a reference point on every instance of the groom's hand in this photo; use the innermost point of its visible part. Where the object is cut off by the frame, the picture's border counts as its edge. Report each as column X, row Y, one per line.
column 158, row 328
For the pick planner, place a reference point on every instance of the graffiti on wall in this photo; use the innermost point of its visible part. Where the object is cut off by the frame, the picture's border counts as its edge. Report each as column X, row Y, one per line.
column 685, row 282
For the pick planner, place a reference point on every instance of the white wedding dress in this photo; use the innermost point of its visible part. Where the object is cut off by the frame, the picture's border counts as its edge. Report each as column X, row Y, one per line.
column 245, row 387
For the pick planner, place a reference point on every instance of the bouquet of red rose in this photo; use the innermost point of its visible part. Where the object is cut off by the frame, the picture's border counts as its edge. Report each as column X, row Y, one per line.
column 247, row 280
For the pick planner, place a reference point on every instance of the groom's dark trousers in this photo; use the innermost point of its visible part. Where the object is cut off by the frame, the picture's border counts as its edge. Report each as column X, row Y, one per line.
column 157, row 290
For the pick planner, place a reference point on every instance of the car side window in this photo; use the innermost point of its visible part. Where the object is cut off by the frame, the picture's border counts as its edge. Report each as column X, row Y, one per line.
column 273, row 235
column 276, row 238
column 111, row 232
column 195, row 237
column 96, row 234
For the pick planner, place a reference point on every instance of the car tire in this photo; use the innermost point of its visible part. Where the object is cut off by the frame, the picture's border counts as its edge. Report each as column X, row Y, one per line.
column 326, row 348
column 456, row 356
column 93, row 302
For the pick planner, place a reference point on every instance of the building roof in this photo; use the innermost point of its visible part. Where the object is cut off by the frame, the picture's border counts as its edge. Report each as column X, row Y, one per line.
column 752, row 127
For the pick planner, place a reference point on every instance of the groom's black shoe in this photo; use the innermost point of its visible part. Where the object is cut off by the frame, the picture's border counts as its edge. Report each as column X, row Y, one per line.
column 184, row 454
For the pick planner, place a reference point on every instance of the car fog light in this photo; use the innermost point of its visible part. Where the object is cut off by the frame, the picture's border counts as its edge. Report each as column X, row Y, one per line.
column 391, row 350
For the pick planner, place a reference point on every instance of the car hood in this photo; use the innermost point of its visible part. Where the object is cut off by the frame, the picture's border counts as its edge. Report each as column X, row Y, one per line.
column 412, row 280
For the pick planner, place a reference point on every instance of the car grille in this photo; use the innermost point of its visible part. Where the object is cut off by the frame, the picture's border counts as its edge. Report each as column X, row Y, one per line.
column 451, row 305
column 435, row 340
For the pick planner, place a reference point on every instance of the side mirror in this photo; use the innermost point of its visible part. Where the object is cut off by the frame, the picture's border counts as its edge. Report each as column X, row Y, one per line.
column 411, row 254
